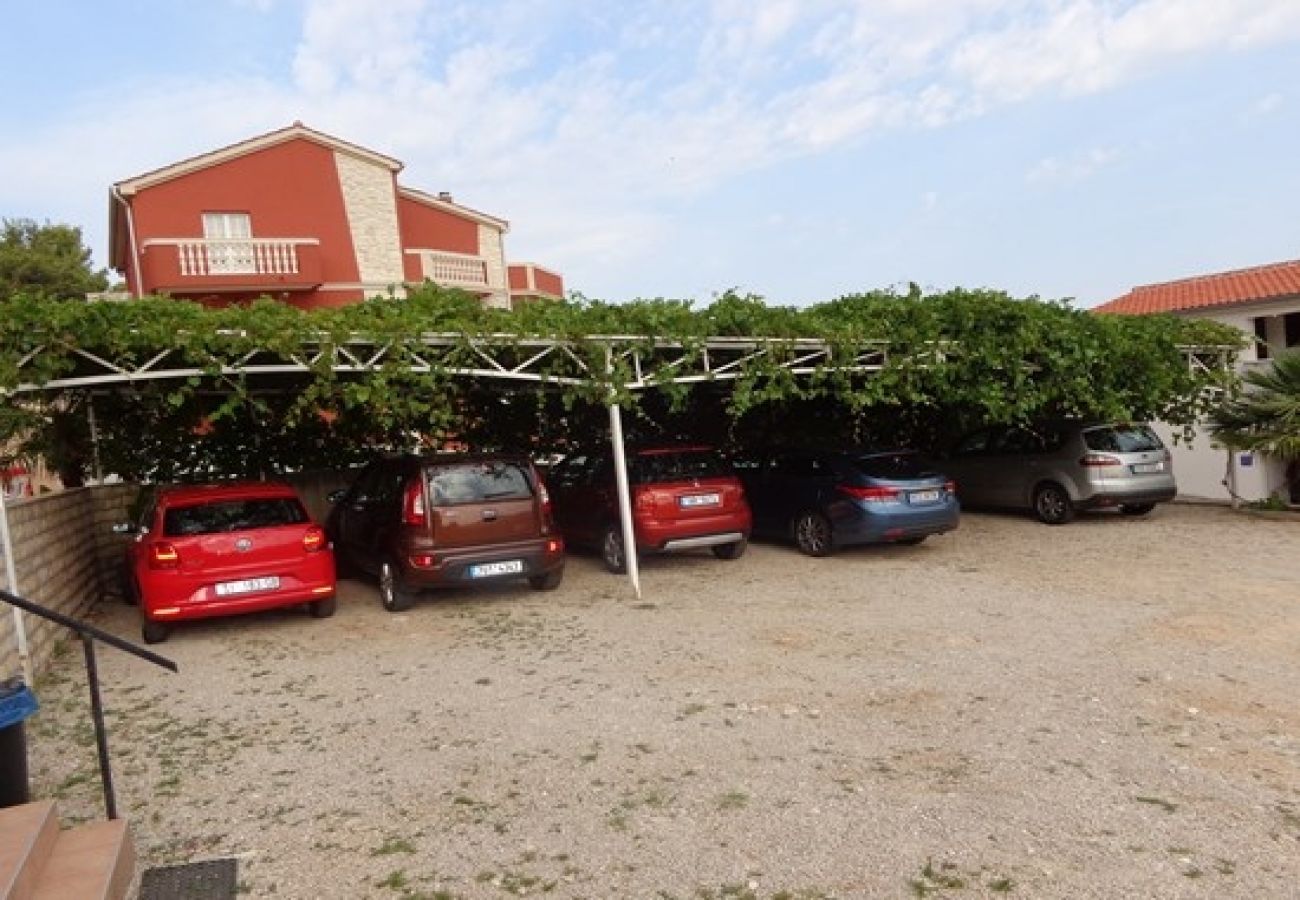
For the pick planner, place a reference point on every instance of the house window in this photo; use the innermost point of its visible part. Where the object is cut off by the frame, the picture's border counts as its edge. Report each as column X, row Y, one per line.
column 1291, row 329
column 229, row 239
column 1261, row 337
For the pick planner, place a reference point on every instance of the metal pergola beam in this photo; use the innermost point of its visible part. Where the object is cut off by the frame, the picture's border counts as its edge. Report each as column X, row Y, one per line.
column 651, row 361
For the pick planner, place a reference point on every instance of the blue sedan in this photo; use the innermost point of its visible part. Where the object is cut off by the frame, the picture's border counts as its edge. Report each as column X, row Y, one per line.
column 826, row 499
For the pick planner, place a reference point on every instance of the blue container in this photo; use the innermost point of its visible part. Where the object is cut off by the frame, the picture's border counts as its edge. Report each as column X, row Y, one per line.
column 17, row 703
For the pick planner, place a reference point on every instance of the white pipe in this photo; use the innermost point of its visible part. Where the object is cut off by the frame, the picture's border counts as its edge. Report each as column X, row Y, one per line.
column 621, row 483
column 130, row 236
column 11, row 578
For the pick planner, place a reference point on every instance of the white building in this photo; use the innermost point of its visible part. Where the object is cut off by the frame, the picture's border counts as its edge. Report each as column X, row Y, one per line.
column 1263, row 303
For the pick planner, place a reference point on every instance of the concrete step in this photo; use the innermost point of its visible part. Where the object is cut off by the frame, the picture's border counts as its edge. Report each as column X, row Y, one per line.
column 95, row 861
column 89, row 862
column 28, row 834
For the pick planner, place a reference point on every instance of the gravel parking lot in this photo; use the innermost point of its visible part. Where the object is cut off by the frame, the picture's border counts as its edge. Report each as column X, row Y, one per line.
column 1107, row 709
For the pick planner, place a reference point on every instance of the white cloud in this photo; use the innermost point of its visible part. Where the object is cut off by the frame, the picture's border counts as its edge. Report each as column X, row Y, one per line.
column 1056, row 170
column 591, row 119
column 1266, row 106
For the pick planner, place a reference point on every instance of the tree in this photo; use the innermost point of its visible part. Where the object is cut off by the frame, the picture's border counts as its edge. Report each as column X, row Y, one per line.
column 49, row 260
column 1265, row 417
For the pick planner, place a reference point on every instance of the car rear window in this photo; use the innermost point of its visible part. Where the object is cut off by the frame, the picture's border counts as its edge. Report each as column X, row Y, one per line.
column 891, row 465
column 1122, row 439
column 478, row 482
column 678, row 465
column 221, row 516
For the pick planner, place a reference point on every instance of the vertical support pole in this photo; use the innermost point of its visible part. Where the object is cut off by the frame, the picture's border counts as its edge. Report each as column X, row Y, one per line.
column 11, row 577
column 94, row 438
column 101, row 733
column 621, row 482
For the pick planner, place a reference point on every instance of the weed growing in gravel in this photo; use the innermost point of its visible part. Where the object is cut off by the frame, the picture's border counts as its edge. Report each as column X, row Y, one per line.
column 393, row 845
column 941, row 879
column 1156, row 801
column 733, row 800
column 395, row 880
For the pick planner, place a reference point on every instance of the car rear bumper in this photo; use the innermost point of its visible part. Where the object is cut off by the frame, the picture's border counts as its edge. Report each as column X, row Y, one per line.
column 454, row 566
column 179, row 599
column 861, row 523
column 654, row 535
column 1112, row 497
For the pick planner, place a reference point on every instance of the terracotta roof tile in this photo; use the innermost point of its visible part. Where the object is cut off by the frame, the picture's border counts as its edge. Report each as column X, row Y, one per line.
column 1219, row 289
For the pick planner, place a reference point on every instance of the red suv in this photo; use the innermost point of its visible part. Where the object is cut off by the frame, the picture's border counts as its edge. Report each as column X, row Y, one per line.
column 223, row 549
column 683, row 498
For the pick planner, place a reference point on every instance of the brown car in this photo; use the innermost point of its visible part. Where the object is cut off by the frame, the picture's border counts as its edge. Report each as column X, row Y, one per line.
column 418, row 522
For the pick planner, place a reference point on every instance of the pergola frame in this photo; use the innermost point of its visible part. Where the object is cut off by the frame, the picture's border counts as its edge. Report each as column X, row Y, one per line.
column 651, row 362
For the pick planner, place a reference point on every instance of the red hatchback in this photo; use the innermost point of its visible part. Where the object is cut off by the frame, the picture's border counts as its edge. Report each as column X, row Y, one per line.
column 683, row 498
column 224, row 549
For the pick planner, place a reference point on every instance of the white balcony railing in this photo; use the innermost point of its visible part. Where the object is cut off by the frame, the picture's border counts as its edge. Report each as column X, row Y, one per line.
column 454, row 269
column 253, row 256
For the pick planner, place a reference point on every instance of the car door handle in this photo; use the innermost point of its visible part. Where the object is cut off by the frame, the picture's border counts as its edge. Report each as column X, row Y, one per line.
column 489, row 515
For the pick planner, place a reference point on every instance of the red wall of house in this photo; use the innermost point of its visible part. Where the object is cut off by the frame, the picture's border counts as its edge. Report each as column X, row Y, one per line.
column 424, row 227
column 548, row 283
column 289, row 190
column 518, row 276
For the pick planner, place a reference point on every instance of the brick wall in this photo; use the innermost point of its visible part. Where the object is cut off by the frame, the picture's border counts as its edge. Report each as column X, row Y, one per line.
column 65, row 554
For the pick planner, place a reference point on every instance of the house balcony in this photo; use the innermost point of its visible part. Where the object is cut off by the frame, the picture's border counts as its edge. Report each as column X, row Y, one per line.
column 460, row 270
column 187, row 265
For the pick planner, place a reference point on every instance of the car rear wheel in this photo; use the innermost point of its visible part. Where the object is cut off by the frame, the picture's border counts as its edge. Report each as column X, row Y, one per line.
column 392, row 593
column 154, row 632
column 812, row 533
column 1136, row 509
column 548, row 582
column 1052, row 504
column 611, row 550
column 734, row 550
column 324, row 607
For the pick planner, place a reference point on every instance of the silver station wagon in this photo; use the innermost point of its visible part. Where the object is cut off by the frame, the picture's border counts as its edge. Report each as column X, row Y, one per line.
column 1060, row 468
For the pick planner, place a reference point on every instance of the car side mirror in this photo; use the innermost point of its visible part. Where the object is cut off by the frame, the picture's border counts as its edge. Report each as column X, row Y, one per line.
column 336, row 495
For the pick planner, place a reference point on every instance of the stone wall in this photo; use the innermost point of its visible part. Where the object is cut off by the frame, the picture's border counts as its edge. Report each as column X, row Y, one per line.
column 65, row 558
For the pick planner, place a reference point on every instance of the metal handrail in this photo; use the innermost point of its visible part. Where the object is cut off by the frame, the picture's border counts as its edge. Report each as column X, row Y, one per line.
column 88, row 635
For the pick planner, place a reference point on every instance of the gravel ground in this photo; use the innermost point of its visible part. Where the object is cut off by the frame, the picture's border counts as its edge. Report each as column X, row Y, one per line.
column 1107, row 709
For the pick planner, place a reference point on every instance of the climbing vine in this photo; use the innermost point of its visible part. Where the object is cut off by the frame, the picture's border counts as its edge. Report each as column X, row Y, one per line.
column 953, row 360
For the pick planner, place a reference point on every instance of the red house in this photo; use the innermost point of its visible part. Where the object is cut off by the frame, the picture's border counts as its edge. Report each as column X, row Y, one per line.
column 307, row 218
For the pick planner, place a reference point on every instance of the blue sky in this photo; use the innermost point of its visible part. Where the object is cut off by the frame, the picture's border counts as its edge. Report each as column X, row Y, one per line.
column 797, row 149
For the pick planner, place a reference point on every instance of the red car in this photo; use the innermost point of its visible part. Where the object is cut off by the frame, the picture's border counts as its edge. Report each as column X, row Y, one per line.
column 224, row 549
column 683, row 498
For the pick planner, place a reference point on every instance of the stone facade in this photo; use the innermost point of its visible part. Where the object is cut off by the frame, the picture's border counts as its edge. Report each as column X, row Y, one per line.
column 66, row 558
column 370, row 199
column 492, row 248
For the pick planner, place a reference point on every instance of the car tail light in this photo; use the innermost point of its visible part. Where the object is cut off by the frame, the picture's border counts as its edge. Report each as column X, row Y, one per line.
column 555, row 545
column 548, row 509
column 163, row 555
column 424, row 560
column 950, row 486
column 413, row 504
column 644, row 501
column 870, row 494
column 314, row 539
column 1095, row 460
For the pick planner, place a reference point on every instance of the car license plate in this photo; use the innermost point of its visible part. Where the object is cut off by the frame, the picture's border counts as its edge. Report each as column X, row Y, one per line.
column 700, row 500
column 1148, row 468
column 924, row 497
column 248, row 586
column 484, row 570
